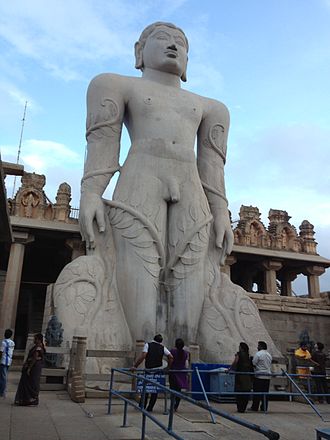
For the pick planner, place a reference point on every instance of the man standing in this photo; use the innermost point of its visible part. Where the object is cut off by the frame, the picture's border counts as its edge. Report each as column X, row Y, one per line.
column 262, row 363
column 153, row 353
column 7, row 349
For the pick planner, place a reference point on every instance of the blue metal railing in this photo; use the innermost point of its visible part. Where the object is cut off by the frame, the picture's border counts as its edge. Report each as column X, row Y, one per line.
column 272, row 435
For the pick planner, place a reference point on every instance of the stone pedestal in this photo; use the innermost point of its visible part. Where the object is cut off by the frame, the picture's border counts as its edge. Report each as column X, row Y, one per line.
column 13, row 280
column 270, row 275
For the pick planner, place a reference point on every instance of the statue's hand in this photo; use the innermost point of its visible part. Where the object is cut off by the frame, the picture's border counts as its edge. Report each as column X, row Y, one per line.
column 224, row 237
column 91, row 207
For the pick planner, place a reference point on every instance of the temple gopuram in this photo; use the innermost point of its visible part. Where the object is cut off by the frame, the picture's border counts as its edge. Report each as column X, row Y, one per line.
column 39, row 237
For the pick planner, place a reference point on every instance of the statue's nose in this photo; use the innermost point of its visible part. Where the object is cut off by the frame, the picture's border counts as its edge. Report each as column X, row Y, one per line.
column 172, row 47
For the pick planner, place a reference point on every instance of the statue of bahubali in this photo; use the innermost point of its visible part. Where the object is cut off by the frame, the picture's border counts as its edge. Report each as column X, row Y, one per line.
column 154, row 251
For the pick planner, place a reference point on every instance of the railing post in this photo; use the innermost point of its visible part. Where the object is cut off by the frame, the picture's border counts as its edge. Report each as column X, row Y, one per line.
column 77, row 368
column 110, row 390
column 139, row 344
column 193, row 359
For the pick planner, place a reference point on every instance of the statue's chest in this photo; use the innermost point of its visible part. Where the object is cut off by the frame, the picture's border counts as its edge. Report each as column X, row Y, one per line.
column 165, row 105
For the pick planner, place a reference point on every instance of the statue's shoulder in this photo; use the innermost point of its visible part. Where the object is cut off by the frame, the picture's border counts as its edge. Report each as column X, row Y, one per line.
column 111, row 80
column 212, row 106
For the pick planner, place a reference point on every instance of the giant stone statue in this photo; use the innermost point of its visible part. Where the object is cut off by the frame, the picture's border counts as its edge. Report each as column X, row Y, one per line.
column 154, row 251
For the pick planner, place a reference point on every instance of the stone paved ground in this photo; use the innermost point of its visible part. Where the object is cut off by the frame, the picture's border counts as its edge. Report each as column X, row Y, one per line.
column 58, row 418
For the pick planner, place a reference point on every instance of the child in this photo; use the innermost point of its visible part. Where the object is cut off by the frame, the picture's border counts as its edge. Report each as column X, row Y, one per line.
column 7, row 348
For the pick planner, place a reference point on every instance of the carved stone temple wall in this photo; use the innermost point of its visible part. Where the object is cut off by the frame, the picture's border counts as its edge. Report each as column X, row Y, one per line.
column 31, row 201
column 266, row 260
column 280, row 234
column 45, row 237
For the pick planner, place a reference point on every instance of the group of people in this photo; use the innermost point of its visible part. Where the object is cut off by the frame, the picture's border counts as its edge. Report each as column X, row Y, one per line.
column 317, row 367
column 29, row 385
column 260, row 364
column 251, row 373
column 177, row 360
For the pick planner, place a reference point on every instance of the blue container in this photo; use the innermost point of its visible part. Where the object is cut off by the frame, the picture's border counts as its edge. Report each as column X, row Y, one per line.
column 205, row 377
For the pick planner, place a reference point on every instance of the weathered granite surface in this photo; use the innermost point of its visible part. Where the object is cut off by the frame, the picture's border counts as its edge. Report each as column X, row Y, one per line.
column 154, row 251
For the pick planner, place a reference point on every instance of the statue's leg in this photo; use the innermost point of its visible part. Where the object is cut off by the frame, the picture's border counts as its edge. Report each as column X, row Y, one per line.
column 189, row 234
column 138, row 219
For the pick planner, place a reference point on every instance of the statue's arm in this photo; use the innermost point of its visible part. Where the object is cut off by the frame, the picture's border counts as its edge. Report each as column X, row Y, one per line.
column 211, row 157
column 105, row 113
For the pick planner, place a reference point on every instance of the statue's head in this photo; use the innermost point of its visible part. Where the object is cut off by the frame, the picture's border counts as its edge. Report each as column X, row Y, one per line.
column 163, row 46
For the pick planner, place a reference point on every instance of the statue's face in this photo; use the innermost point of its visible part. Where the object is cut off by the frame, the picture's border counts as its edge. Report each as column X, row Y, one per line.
column 166, row 50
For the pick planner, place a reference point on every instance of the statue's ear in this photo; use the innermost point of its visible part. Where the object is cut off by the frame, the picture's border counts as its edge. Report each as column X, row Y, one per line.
column 184, row 74
column 138, row 55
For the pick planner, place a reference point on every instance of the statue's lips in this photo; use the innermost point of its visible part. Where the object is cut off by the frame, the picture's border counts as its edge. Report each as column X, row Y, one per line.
column 171, row 54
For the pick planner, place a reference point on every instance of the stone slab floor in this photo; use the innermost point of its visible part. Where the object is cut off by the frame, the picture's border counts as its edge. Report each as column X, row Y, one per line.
column 58, row 418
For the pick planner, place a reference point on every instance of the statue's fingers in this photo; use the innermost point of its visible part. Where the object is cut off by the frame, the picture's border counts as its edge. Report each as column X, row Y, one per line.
column 223, row 256
column 89, row 234
column 229, row 242
column 100, row 219
column 219, row 235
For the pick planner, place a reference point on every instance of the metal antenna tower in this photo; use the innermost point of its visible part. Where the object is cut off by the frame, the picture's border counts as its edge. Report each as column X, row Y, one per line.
column 19, row 146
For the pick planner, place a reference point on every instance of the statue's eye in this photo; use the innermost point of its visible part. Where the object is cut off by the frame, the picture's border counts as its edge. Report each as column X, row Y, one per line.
column 180, row 42
column 161, row 36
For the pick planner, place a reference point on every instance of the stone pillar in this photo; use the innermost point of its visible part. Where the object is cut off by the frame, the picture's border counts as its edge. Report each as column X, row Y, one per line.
column 271, row 267
column 286, row 287
column 230, row 260
column 313, row 273
column 194, row 353
column 13, row 280
column 77, row 246
column 77, row 366
column 49, row 309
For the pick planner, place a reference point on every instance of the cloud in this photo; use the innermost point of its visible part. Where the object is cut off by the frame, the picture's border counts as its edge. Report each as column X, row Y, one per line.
column 56, row 161
column 41, row 155
column 13, row 99
column 61, row 35
column 283, row 167
column 284, row 159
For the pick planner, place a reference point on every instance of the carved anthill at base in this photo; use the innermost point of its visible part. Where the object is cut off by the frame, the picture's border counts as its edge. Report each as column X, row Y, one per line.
column 86, row 301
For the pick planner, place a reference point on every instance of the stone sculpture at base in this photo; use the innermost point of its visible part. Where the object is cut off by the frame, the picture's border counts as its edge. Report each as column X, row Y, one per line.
column 154, row 251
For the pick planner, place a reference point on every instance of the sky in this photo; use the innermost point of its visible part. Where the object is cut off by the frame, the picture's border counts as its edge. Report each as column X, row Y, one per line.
column 267, row 60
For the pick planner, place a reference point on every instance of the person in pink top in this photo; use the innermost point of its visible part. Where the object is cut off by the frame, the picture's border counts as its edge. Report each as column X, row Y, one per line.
column 178, row 379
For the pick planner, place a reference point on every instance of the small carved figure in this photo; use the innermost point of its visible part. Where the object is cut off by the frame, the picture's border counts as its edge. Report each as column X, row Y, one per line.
column 54, row 338
column 54, row 332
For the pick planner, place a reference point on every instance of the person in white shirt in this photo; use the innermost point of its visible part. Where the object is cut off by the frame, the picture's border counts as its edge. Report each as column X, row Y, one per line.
column 262, row 362
column 7, row 349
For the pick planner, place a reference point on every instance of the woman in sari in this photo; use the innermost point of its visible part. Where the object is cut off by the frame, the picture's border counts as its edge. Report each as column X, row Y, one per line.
column 243, row 382
column 29, row 385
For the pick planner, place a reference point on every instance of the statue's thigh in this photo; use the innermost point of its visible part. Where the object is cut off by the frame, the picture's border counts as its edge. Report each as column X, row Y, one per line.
column 189, row 226
column 189, row 216
column 143, row 193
